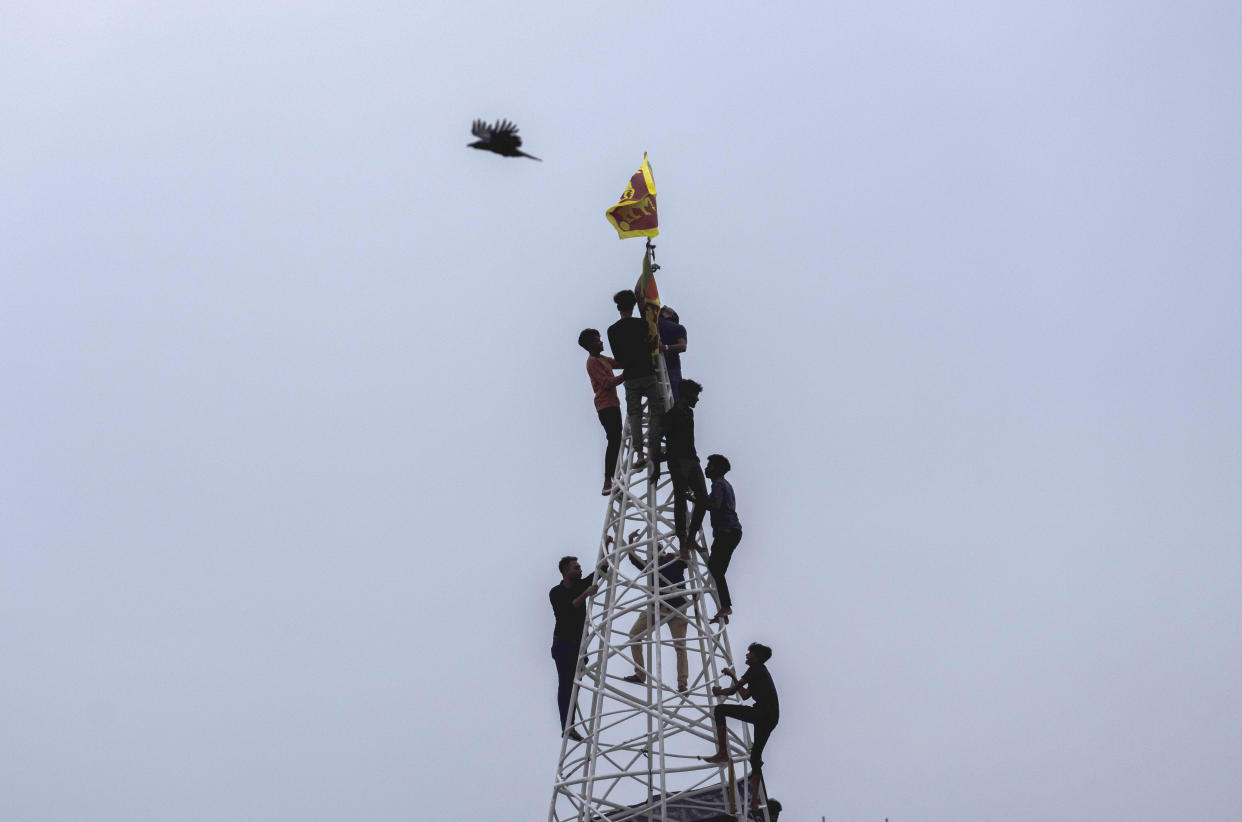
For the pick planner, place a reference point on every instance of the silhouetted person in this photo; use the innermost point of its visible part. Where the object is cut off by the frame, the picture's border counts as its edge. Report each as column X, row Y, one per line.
column 631, row 348
column 726, row 531
column 683, row 464
column 673, row 344
column 568, row 599
column 501, row 138
column 607, row 406
column 672, row 575
column 755, row 684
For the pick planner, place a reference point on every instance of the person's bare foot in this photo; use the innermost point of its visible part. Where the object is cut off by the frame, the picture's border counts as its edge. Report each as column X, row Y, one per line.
column 716, row 759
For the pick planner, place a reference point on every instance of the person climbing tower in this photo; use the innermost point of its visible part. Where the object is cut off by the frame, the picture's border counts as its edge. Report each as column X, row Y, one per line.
column 673, row 344
column 568, row 598
column 683, row 465
column 672, row 574
column 726, row 531
column 631, row 349
column 607, row 406
column 755, row 684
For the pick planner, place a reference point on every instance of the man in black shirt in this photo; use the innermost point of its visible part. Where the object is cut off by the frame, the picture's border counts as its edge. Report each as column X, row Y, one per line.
column 683, row 465
column 629, row 339
column 756, row 683
column 568, row 598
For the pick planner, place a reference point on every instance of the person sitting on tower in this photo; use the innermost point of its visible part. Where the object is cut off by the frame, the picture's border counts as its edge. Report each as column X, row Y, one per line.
column 673, row 344
column 631, row 348
column 568, row 599
column 756, row 683
column 607, row 406
column 726, row 531
column 672, row 573
column 683, row 465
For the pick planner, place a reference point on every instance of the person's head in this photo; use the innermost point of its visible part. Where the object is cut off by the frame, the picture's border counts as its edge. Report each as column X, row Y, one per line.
column 668, row 313
column 717, row 466
column 774, row 809
column 590, row 340
column 625, row 301
column 690, row 391
column 569, row 568
column 757, row 653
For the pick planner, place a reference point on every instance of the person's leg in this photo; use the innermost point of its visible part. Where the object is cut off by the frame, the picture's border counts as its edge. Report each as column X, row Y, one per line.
column 636, row 648
column 677, row 473
column 722, row 552
column 634, row 412
column 677, row 627
column 610, row 418
column 742, row 712
column 656, row 406
column 566, row 656
column 763, row 730
column 698, row 490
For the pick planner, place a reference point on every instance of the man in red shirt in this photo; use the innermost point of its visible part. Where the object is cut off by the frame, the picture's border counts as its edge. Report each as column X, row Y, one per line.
column 607, row 405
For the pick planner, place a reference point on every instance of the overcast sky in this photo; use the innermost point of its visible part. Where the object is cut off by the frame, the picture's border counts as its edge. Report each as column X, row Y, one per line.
column 296, row 426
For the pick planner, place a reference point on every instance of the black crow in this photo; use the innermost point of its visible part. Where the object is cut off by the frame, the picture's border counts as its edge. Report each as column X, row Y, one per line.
column 501, row 138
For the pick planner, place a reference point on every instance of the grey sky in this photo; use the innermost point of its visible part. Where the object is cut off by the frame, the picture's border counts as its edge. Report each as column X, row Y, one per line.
column 297, row 427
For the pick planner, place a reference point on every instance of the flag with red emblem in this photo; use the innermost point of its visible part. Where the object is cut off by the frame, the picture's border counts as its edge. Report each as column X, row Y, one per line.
column 635, row 215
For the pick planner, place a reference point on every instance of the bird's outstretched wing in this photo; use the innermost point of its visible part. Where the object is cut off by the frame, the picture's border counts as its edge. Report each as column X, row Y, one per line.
column 505, row 135
column 480, row 130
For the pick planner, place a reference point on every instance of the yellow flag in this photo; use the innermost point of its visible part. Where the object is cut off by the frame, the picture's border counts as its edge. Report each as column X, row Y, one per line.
column 635, row 215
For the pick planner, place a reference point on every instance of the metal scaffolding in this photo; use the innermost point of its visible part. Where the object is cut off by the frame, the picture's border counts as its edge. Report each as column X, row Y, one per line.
column 640, row 755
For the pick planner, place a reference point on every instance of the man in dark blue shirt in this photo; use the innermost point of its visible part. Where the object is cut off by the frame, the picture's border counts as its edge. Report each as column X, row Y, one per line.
column 726, row 531
column 755, row 684
column 673, row 344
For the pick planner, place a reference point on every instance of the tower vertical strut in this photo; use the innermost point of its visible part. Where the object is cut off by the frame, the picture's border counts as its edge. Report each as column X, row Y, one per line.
column 640, row 755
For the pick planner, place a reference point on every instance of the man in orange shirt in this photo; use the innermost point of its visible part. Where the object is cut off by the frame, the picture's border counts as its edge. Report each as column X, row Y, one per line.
column 607, row 405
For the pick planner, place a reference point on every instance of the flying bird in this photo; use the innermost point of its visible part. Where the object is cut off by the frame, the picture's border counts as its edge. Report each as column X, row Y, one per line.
column 501, row 138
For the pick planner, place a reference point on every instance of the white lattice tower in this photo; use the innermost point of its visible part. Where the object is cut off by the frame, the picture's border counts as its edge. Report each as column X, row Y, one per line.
column 639, row 758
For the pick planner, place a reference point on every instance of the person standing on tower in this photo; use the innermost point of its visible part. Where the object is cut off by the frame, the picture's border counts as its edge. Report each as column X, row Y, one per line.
column 568, row 599
column 683, row 465
column 631, row 348
column 726, row 531
column 755, row 684
column 672, row 574
column 673, row 344
column 607, row 406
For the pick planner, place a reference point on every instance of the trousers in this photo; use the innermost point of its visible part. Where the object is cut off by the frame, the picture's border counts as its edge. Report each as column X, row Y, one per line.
column 610, row 418
column 763, row 721
column 566, row 656
column 724, row 542
column 687, row 477
column 676, row 627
